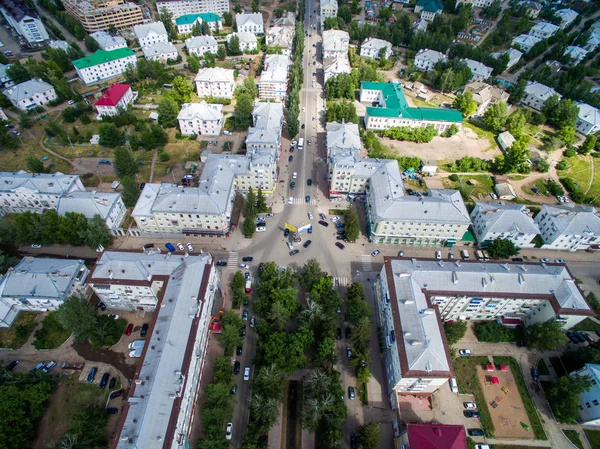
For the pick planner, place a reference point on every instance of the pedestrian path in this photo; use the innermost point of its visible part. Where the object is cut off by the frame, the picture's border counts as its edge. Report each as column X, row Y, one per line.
column 232, row 260
column 367, row 262
column 299, row 201
column 341, row 282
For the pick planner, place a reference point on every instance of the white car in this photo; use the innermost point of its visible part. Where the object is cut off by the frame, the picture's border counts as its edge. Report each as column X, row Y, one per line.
column 261, row 229
column 563, row 261
column 1, row 44
column 244, row 266
column 36, row 246
column 303, row 109
column 229, row 431
column 469, row 405
column 314, row 118
column 545, row 260
column 227, row 133
column 71, row 102
column 190, row 247
column 310, row 216
column 375, row 253
column 334, row 219
column 270, row 216
column 291, row 200
column 438, row 255
column 464, row 351
column 247, row 373
column 180, row 246
column 294, row 175
column 494, row 196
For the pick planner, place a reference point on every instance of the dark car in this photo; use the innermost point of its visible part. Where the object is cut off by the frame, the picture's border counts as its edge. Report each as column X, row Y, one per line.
column 286, row 232
column 572, row 337
column 309, row 182
column 341, row 231
column 534, row 374
column 303, row 126
column 243, row 331
column 247, row 259
column 307, row 243
column 338, row 334
column 292, row 185
column 92, row 374
column 116, row 393
column 234, row 389
column 517, row 259
column 323, row 223
column 353, row 441
column 587, row 337
column 340, row 225
column 294, row 252
column 236, row 368
column 579, row 337
column 104, row 162
column 341, row 237
column 104, row 381
column 221, row 263
column 475, row 432
column 522, row 344
column 112, row 383
column 309, row 230
column 348, row 333
column 291, row 158
column 307, row 198
column 144, row 330
column 112, row 410
column 11, row 365
column 471, row 414
column 238, row 351
column 102, row 306
column 410, row 191
column 339, row 245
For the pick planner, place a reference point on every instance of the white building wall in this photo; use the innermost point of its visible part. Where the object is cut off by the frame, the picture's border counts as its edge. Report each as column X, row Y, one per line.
column 215, row 89
column 183, row 7
column 100, row 72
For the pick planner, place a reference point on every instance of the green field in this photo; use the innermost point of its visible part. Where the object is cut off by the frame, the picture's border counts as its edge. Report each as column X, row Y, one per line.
column 587, row 325
column 15, row 336
column 579, row 168
column 593, row 437
column 471, row 185
column 573, row 437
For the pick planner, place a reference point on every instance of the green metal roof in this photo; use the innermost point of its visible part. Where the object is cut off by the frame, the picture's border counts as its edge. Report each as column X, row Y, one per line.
column 397, row 106
column 189, row 19
column 102, row 56
column 431, row 5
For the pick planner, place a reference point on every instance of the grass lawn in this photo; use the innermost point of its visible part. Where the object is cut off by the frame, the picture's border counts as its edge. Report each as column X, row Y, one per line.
column 593, row 437
column 468, row 382
column 543, row 368
column 51, row 335
column 587, row 325
column 532, row 414
column 15, row 336
column 580, row 170
column 573, row 437
column 481, row 133
column 471, row 185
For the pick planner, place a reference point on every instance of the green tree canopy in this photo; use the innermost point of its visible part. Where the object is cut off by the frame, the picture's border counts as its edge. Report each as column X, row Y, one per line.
column 368, row 436
column 546, row 336
column 125, row 163
column 465, row 104
column 352, row 224
column 502, row 249
column 495, row 117
column 167, row 112
column 110, row 136
column 563, row 397
column 455, row 330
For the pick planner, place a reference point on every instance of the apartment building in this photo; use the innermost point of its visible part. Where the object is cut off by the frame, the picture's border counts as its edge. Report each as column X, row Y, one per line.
column 475, row 3
column 525, row 42
column 543, row 30
column 589, row 415
column 200, row 119
column 372, row 48
column 567, row 16
column 393, row 110
column 166, row 387
column 435, row 435
column 575, row 54
column 248, row 41
column 109, row 206
column 215, row 82
column 336, row 65
column 161, row 52
column 514, row 56
column 185, row 24
column 568, row 227
column 103, row 65
column 335, row 42
column 486, row 95
column 24, row 22
column 588, row 120
column 102, row 15
column 199, row 45
column 287, row 20
column 536, row 95
column 39, row 285
column 426, row 59
column 532, row 8
column 274, row 77
column 107, row 42
column 282, row 37
column 34, row 192
column 151, row 33
column 428, row 9
column 479, row 71
column 30, row 94
column 180, row 8
column 250, row 23
column 329, row 8
column 512, row 222
column 115, row 98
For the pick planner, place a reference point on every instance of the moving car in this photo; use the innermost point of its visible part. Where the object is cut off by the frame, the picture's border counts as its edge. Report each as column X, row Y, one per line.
column 351, row 395
column 247, row 259
column 290, row 200
column 292, row 185
column 229, row 431
column 221, row 263
column 291, row 158
column 310, row 215
column 339, row 245
column 294, row 175
column 307, row 243
column 309, row 182
column 464, row 352
column 307, row 198
column 375, row 253
column 247, row 373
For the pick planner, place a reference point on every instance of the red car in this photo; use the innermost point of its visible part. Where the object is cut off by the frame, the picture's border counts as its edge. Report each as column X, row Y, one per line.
column 129, row 329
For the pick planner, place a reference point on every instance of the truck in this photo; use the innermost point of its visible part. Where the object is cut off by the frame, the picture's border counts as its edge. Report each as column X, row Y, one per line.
column 137, row 352
column 300, row 143
column 136, row 344
column 248, row 286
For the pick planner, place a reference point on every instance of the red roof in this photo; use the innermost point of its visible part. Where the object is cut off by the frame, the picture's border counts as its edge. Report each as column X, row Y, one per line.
column 113, row 95
column 436, row 436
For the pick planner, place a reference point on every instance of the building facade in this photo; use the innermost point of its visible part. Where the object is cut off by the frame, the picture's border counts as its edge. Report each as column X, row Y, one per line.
column 486, row 95
column 588, row 120
column 525, row 42
column 274, row 77
column 428, row 9
column 335, row 42
column 247, row 41
column 589, row 401
column 512, row 222
column 161, row 52
column 426, row 59
column 151, row 33
column 336, row 65
column 30, row 94
column 544, row 30
column 372, row 47
column 180, row 8
column 200, row 119
column 108, row 42
column 250, row 23
column 567, row 16
column 329, row 8
column 215, row 82
column 282, row 37
column 103, row 65
column 115, row 98
column 568, row 228
column 536, row 95
column 479, row 71
column 102, row 15
column 199, row 45
column 185, row 24
column 109, row 206
column 24, row 21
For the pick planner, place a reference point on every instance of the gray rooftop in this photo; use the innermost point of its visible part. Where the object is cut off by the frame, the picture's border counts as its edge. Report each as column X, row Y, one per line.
column 343, row 136
column 158, row 49
column 287, row 20
column 105, row 40
column 375, row 43
column 27, row 89
column 276, row 69
column 573, row 220
column 268, row 121
column 141, row 31
column 202, row 111
column 200, row 41
column 335, row 40
column 502, row 218
column 244, row 37
column 50, row 184
column 214, row 75
column 88, row 203
column 253, row 18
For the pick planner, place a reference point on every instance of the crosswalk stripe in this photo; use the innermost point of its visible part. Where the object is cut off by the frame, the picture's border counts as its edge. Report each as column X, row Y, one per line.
column 232, row 260
column 300, row 201
column 367, row 262
column 341, row 281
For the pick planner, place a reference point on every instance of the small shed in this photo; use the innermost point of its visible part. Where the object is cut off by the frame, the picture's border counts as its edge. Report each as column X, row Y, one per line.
column 506, row 140
column 505, row 191
column 429, row 167
column 503, row 368
column 153, row 116
column 489, row 367
column 495, row 380
column 95, row 140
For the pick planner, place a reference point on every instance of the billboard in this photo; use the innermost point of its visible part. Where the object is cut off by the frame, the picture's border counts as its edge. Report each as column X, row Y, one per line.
column 291, row 227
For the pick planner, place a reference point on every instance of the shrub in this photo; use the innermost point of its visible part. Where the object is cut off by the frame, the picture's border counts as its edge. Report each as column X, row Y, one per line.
column 164, row 157
column 555, row 188
column 454, row 177
column 571, row 152
column 493, row 332
column 596, row 154
column 562, row 165
column 569, row 184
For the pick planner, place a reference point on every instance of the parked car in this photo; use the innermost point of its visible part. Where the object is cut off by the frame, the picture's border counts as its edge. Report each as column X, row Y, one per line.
column 307, row 198
column 180, row 246
column 261, row 228
column 475, row 432
column 307, row 243
column 239, row 350
column 245, row 315
column 104, row 381
column 221, row 263
column 49, row 366
column 129, row 329
column 338, row 334
column 190, row 247
column 144, row 330
column 112, row 383
column 534, row 374
column 469, row 405
column 39, row 366
column 471, row 414
column 348, row 332
column 339, row 245
column 247, row 373
column 465, row 352
column 112, row 410
column 563, row 261
column 244, row 266
column 92, row 374
column 228, row 431
column 323, row 223
column 36, row 245
column 11, row 365
column 572, row 337
column 375, row 253
column 243, row 331
column 334, row 219
column 438, row 255
column 252, row 320
column 349, row 352
column 236, row 368
column 234, row 389
column 545, row 260
column 351, row 394
column 400, row 253
column 353, row 441
column 294, row 252
column 310, row 215
column 309, row 182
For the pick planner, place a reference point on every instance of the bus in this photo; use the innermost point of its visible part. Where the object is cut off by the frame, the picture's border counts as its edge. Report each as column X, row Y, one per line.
column 300, row 144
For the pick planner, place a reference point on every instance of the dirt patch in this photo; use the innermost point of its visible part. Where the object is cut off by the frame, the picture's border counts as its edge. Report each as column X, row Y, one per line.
column 84, row 165
column 104, row 356
column 510, row 412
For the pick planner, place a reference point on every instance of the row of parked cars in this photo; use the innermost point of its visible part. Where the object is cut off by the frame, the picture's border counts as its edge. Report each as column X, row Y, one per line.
column 580, row 337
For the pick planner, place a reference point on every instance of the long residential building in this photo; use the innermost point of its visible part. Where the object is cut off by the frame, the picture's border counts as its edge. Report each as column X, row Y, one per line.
column 336, row 65
column 200, row 119
column 215, row 82
column 30, row 94
column 250, row 23
column 335, row 42
column 512, row 222
column 568, row 227
column 103, row 65
column 35, row 192
column 536, row 95
column 426, row 59
column 371, row 48
column 274, row 78
column 180, row 8
column 24, row 21
column 160, row 412
column 109, row 206
column 199, row 45
column 185, row 24
column 161, row 52
column 39, row 285
column 248, row 41
column 393, row 110
column 589, row 401
column 102, row 15
column 588, row 119
column 108, row 42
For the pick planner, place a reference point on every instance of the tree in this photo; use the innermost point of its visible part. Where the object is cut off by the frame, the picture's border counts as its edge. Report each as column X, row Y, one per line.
column 517, row 91
column 233, row 46
column 242, row 112
column 97, row 233
column 131, row 192
column 368, row 435
column 227, row 19
column 465, row 104
column 341, row 111
column 221, row 53
column 182, row 90
column 493, row 332
column 154, row 137
column 495, row 117
column 24, row 121
column 352, row 224
column 493, row 10
column 566, row 134
column 167, row 112
column 502, row 249
column 167, row 19
column 125, row 164
column 110, row 135
column 454, row 331
column 204, row 28
column 516, row 122
column 563, row 397
column 588, row 145
column 516, row 158
column 546, row 336
column 261, row 203
column 35, row 165
column 196, row 29
column 77, row 316
column 18, row 73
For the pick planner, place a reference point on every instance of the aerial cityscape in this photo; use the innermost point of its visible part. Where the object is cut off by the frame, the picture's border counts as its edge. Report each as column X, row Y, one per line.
column 273, row 224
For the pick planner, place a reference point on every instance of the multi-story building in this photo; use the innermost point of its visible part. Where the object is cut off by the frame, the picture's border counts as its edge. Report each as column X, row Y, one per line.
column 115, row 98
column 475, row 3
column 250, row 23
column 335, row 42
column 512, row 222
column 544, row 30
column 536, row 95
column 588, row 120
column 186, row 23
column 575, row 54
column 3, row 115
column 215, row 82
column 514, row 56
column 428, row 9
column 150, row 34
column 25, row 22
column 486, row 95
column 532, row 9
column 35, row 192
column 103, row 65
column 109, row 206
column 335, row 65
column 288, row 20
column 435, row 435
column 30, row 94
column 567, row 16
column 167, row 385
column 102, row 15
column 593, row 42
column 282, row 37
column 568, row 227
column 329, row 8
column 372, row 47
column 39, row 285
column 589, row 415
column 161, row 52
column 426, row 59
column 200, row 119
column 199, row 45
column 274, row 77
column 108, row 42
column 247, row 41
column 393, row 110
column 180, row 8
column 525, row 42
column 479, row 71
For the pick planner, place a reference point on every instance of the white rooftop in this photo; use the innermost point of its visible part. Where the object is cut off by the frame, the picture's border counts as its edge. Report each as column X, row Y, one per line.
column 526, row 40
column 53, row 184
column 105, row 40
column 88, row 203
column 244, row 37
column 432, row 56
column 141, row 31
column 589, row 113
column 275, row 69
column 375, row 43
column 253, row 18
column 159, row 49
column 59, row 45
column 200, row 41
column 342, row 136
column 202, row 111
column 27, row 89
column 540, row 91
column 573, row 220
column 335, row 40
column 215, row 75
column 479, row 69
column 544, row 27
column 501, row 218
